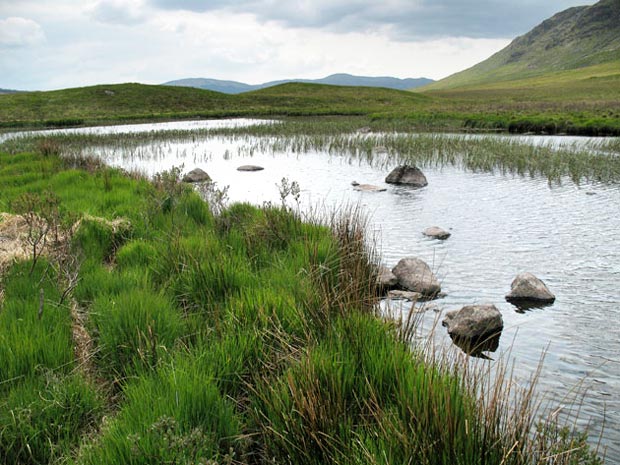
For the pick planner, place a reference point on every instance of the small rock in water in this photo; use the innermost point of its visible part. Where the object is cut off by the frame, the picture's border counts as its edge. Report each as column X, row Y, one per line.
column 436, row 232
column 407, row 175
column 250, row 168
column 405, row 295
column 528, row 288
column 386, row 279
column 415, row 275
column 196, row 175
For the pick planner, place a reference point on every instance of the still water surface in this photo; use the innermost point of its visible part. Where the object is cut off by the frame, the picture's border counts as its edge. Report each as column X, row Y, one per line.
column 501, row 225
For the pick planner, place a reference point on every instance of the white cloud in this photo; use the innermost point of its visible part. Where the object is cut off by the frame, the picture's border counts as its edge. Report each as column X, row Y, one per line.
column 18, row 32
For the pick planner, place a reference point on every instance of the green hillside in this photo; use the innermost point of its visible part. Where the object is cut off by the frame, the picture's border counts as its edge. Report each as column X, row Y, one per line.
column 138, row 102
column 576, row 38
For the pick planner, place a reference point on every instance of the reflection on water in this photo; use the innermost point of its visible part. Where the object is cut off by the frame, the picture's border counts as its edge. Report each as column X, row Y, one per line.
column 144, row 127
column 525, row 306
column 477, row 347
column 501, row 225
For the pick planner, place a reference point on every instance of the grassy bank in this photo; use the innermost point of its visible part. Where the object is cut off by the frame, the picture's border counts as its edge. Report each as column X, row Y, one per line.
column 142, row 325
column 584, row 103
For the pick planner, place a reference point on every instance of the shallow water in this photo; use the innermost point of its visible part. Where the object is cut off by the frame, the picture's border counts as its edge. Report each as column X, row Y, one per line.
column 500, row 224
column 142, row 127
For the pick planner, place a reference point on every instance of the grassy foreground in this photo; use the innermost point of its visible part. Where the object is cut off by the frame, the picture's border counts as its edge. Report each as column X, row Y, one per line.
column 141, row 325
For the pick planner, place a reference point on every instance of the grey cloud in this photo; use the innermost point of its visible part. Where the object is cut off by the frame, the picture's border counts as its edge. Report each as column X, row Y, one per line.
column 406, row 19
column 126, row 12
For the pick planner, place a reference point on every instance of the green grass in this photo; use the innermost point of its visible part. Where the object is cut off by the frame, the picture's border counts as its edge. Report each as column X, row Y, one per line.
column 583, row 102
column 137, row 102
column 248, row 336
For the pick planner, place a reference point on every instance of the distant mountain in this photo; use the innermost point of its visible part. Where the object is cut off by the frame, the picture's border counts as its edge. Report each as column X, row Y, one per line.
column 575, row 38
column 233, row 87
column 8, row 91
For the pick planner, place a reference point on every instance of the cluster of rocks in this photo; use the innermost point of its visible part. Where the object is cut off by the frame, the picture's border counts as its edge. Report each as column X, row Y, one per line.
column 198, row 175
column 477, row 328
column 474, row 328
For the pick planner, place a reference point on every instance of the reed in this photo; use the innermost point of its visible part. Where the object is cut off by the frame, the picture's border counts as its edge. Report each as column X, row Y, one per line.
column 388, row 143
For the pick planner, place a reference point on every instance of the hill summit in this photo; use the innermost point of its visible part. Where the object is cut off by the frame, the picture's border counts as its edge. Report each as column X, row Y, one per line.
column 574, row 38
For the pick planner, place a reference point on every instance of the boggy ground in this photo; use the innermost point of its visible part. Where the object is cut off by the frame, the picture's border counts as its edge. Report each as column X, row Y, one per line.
column 246, row 336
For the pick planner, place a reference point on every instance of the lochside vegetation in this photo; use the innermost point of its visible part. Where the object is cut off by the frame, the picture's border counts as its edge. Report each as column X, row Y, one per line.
column 244, row 336
column 380, row 143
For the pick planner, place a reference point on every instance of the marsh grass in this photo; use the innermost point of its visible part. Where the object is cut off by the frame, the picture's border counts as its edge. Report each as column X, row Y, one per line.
column 385, row 145
column 251, row 336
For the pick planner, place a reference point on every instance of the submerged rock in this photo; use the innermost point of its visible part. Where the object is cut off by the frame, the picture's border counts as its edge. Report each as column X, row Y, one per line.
column 409, row 175
column 196, row 175
column 415, row 275
column 367, row 187
column 405, row 295
column 475, row 328
column 250, row 168
column 528, row 288
column 436, row 232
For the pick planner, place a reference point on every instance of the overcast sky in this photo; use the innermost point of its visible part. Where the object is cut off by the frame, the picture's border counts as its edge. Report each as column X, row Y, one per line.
column 69, row 43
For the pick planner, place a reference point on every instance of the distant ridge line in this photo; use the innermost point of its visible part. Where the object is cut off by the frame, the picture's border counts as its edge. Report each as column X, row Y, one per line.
column 341, row 79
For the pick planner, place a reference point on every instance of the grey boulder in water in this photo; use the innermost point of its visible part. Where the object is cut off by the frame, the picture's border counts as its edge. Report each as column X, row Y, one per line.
column 196, row 175
column 415, row 275
column 407, row 175
column 528, row 288
column 435, row 232
column 475, row 328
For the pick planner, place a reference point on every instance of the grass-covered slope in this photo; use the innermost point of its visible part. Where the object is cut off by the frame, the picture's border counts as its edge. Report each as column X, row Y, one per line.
column 150, row 330
column 109, row 103
column 581, row 101
column 576, row 38
column 104, row 103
